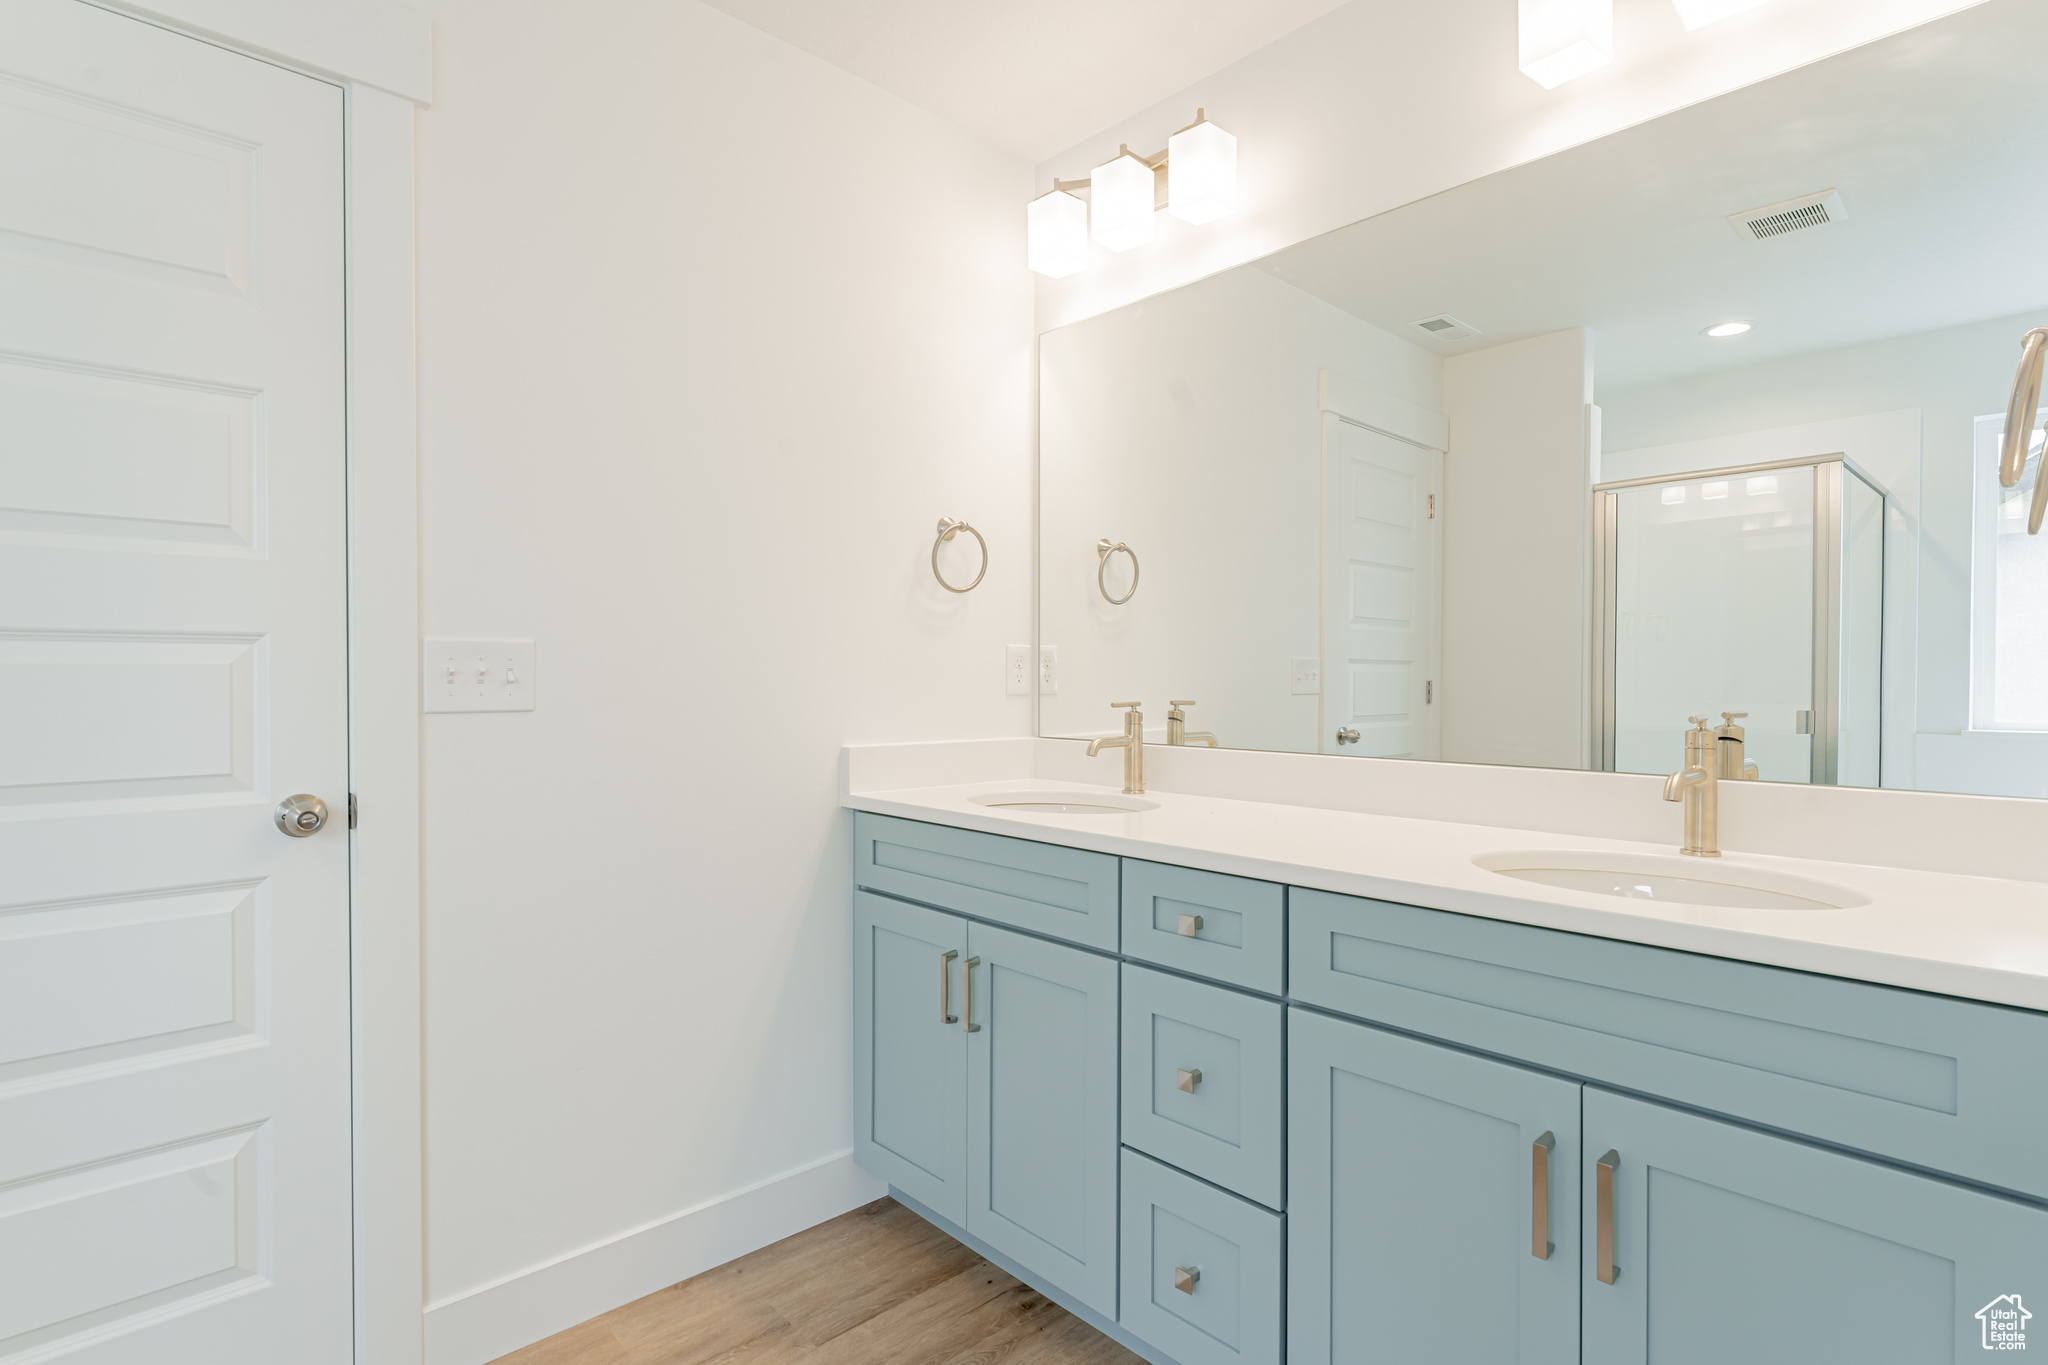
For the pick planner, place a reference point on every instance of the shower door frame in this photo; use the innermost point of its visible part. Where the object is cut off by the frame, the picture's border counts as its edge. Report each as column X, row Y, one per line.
column 1827, row 596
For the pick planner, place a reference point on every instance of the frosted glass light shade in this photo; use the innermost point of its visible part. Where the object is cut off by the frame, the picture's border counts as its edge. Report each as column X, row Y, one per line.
column 1201, row 173
column 1563, row 39
column 1056, row 234
column 1699, row 13
column 1120, row 203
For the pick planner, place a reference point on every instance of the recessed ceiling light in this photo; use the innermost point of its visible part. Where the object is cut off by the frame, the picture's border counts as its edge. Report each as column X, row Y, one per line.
column 1725, row 329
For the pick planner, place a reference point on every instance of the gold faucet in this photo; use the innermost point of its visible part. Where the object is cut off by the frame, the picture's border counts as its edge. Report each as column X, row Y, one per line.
column 1176, row 727
column 1733, row 767
column 1698, row 785
column 1133, row 745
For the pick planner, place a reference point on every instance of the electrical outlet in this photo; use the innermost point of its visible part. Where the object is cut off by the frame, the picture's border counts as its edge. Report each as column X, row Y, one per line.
column 1048, row 670
column 1017, row 670
column 478, row 675
column 1307, row 675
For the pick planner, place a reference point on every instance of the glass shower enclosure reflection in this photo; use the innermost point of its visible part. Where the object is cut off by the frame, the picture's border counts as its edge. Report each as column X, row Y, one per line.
column 1757, row 589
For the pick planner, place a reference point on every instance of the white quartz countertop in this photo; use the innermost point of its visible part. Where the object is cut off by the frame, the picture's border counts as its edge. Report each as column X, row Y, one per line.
column 1982, row 938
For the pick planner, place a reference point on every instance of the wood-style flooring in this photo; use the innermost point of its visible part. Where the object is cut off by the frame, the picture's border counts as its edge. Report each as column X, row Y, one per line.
column 878, row 1286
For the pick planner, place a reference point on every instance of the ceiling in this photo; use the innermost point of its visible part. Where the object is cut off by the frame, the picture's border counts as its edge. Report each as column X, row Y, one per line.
column 1933, row 137
column 1031, row 78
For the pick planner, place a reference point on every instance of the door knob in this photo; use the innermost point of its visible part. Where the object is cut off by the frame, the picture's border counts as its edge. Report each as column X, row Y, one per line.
column 301, row 815
column 1347, row 736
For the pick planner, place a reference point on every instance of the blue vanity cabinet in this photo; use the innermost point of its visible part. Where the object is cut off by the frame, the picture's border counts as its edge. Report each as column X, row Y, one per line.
column 1737, row 1245
column 1419, row 1177
column 1042, row 1109
column 909, row 1052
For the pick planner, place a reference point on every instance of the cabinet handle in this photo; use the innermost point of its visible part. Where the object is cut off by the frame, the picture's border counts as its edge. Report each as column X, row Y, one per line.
column 1184, row 1079
column 1190, row 925
column 1603, row 1218
column 1186, row 1277
column 946, row 1015
column 1540, row 1245
column 967, row 988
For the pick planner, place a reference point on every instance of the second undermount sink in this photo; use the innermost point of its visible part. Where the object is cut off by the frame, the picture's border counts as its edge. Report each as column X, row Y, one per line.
column 1063, row 803
column 1687, row 881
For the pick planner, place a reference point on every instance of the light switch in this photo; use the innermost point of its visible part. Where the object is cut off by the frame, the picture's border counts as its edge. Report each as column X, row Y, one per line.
column 478, row 675
column 1048, row 670
column 1307, row 675
column 1017, row 670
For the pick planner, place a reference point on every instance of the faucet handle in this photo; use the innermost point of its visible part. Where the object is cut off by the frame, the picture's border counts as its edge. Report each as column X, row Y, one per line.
column 1180, row 703
column 1133, row 705
column 1700, row 721
column 1732, row 716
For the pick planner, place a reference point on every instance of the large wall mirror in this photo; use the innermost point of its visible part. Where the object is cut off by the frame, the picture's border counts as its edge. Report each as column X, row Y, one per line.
column 1701, row 417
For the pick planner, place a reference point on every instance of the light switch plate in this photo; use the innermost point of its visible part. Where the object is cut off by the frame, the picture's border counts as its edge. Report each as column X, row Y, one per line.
column 478, row 675
column 1048, row 670
column 1017, row 670
column 1307, row 675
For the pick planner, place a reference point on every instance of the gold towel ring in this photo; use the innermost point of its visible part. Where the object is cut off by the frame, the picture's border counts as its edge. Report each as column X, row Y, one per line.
column 1103, row 550
column 948, row 528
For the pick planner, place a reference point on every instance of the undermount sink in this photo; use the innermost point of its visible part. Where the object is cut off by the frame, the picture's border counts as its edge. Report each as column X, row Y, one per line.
column 1063, row 803
column 1687, row 881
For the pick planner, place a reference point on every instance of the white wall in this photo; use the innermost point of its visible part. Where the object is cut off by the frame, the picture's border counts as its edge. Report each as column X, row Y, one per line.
column 711, row 335
column 1189, row 427
column 1951, row 376
column 1516, row 552
column 1377, row 104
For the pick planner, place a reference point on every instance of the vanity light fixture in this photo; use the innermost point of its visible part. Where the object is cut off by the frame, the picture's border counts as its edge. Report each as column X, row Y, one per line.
column 1564, row 39
column 1194, row 179
column 1699, row 13
column 1734, row 327
column 1203, row 185
column 1056, row 234
column 1120, row 201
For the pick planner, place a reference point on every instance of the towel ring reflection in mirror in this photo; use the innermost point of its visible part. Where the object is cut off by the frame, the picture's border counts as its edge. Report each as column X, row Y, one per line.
column 1103, row 550
column 948, row 528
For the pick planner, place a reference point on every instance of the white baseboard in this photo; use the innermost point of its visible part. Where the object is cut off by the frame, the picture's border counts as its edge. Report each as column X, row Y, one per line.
column 499, row 1318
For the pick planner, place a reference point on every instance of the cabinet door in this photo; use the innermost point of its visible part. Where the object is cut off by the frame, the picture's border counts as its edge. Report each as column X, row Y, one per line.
column 909, row 1062
column 1042, row 1110
column 1734, row 1245
column 1417, row 1177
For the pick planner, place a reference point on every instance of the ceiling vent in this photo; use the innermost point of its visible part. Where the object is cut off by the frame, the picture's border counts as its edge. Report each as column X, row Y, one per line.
column 1444, row 327
column 1794, row 215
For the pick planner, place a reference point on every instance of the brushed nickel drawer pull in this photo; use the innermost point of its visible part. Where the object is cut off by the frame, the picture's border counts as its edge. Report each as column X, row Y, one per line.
column 1603, row 1218
column 967, row 989
column 946, row 1015
column 1190, row 925
column 1540, row 1245
column 1187, row 1080
column 1186, row 1277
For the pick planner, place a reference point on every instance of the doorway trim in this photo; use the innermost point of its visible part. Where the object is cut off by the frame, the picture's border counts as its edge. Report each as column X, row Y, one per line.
column 381, row 55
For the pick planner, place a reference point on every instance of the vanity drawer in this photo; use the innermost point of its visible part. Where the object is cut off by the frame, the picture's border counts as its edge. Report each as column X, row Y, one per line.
column 1950, row 1085
column 1227, row 928
column 1203, row 1072
column 1066, row 893
column 1201, row 1269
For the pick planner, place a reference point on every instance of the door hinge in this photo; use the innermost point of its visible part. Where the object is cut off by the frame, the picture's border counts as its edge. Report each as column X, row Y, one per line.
column 1432, row 507
column 1428, row 697
column 351, row 810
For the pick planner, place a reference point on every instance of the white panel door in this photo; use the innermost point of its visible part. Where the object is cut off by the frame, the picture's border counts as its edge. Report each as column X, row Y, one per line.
column 1379, row 594
column 174, row 1027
